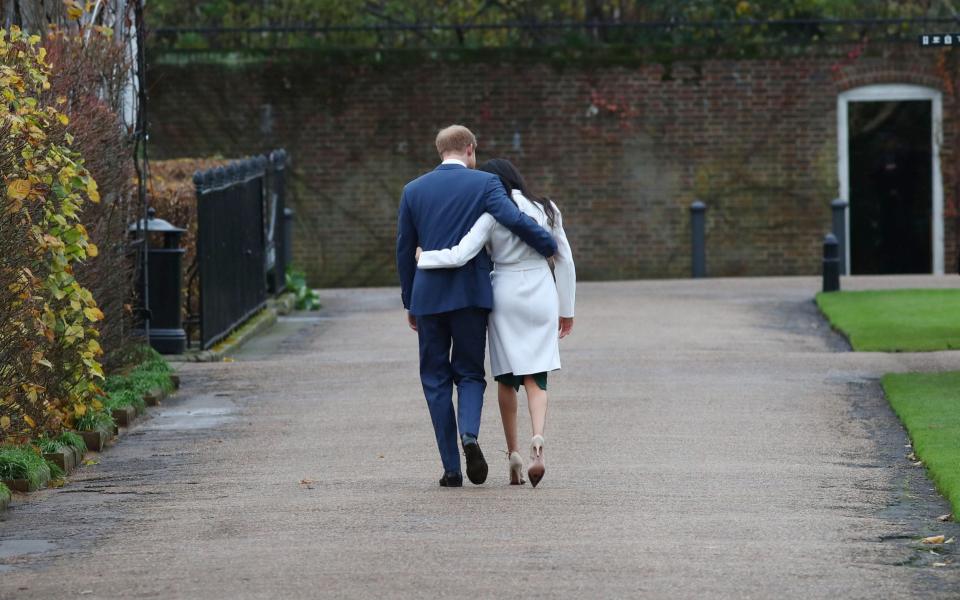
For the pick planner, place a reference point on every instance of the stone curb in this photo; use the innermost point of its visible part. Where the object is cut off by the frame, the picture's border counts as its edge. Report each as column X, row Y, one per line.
column 284, row 304
column 96, row 441
column 259, row 323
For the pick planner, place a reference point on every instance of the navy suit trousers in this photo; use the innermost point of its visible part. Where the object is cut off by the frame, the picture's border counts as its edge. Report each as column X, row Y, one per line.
column 452, row 346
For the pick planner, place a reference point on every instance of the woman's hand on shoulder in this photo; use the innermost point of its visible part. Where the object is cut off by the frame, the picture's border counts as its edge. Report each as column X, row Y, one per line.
column 566, row 326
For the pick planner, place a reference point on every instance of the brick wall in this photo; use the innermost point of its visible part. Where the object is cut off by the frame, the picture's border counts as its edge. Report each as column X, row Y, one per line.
column 623, row 149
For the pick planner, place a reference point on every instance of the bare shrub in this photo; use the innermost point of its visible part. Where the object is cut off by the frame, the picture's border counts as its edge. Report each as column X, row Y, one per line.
column 91, row 75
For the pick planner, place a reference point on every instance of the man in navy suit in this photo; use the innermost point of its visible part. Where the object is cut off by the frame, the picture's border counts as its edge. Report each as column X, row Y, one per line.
column 448, row 307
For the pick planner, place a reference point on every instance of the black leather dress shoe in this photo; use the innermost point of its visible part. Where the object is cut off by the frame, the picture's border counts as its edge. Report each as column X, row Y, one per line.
column 476, row 464
column 451, row 479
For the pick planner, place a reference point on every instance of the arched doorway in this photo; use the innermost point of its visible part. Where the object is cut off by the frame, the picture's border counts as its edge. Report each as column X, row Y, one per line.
column 889, row 140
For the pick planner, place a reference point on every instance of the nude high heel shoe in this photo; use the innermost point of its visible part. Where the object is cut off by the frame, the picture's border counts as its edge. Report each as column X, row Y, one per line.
column 516, row 469
column 536, row 469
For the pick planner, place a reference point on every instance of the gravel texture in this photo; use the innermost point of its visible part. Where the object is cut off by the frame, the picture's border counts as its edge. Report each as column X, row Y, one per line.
column 706, row 438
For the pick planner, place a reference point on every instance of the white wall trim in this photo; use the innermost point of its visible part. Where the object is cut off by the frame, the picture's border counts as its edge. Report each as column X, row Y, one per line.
column 893, row 93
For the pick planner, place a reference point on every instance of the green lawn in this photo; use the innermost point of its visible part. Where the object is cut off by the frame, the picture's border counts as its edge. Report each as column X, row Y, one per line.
column 929, row 406
column 896, row 320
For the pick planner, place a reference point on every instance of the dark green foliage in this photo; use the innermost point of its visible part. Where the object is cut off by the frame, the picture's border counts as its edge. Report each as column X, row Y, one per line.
column 48, row 445
column 67, row 439
column 95, row 420
column 123, row 399
column 534, row 14
column 23, row 462
column 152, row 372
column 72, row 440
column 249, row 13
column 55, row 471
column 4, row 493
column 307, row 297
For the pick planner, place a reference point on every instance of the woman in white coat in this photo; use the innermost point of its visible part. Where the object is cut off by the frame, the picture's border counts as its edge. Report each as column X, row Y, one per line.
column 532, row 309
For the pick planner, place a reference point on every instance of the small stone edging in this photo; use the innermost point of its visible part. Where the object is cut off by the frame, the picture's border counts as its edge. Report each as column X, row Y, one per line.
column 70, row 459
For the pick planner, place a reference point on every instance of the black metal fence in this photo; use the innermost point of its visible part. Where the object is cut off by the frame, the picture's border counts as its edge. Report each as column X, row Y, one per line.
column 239, row 241
column 670, row 33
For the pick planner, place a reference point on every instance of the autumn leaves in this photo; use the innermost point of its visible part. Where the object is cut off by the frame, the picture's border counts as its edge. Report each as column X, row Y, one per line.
column 49, row 348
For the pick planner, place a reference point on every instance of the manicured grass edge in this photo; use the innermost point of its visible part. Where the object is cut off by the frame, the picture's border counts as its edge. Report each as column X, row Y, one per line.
column 826, row 316
column 941, row 467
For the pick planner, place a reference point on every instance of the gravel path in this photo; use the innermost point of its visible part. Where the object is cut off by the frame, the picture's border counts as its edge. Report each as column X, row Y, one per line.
column 705, row 439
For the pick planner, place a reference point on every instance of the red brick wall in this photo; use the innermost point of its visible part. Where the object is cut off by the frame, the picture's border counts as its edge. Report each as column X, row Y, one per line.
column 623, row 149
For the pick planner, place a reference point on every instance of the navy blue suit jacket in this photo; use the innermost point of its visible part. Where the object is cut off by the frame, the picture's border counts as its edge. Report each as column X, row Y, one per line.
column 436, row 211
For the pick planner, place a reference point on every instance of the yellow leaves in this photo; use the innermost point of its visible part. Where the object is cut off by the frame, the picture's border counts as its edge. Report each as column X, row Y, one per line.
column 52, row 242
column 74, row 9
column 933, row 539
column 19, row 189
column 87, row 297
column 73, row 333
column 92, row 191
column 38, row 359
column 56, row 313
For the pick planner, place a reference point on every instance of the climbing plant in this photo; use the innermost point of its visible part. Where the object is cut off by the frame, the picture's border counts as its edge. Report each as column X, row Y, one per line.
column 49, row 348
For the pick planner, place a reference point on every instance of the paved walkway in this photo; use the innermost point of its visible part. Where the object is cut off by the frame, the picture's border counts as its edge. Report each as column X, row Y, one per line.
column 705, row 439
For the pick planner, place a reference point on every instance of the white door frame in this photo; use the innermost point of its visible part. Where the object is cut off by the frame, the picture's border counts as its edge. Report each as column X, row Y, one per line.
column 893, row 93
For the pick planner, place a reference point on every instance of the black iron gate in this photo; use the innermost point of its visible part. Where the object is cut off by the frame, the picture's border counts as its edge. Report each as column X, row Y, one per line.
column 230, row 246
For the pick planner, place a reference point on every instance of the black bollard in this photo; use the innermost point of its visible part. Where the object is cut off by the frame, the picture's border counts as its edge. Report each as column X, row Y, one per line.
column 831, row 264
column 698, row 218
column 839, row 210
column 288, row 236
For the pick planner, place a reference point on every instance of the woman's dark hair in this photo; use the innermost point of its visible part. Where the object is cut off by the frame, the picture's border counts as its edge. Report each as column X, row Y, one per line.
column 512, row 180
